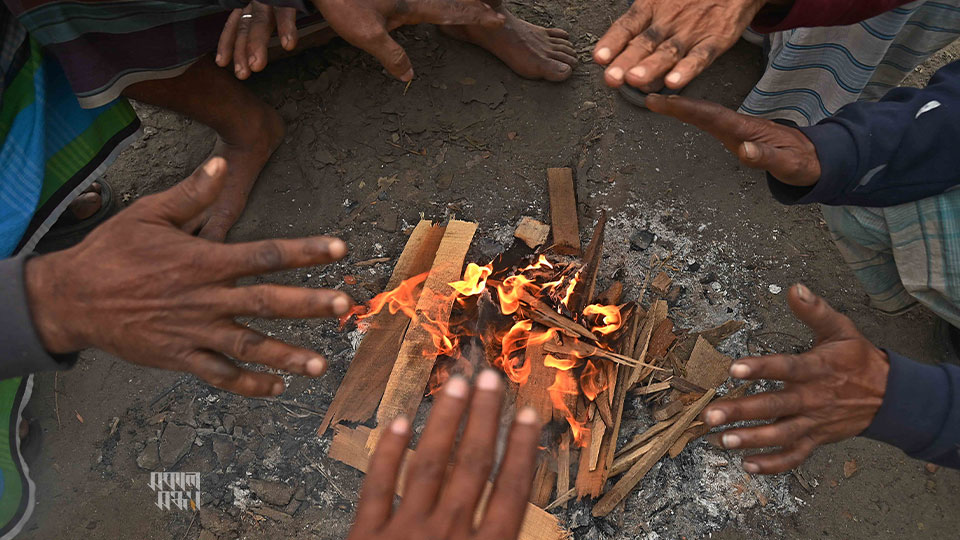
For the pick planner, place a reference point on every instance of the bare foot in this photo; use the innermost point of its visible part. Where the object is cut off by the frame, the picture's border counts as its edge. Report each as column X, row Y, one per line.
column 246, row 155
column 532, row 51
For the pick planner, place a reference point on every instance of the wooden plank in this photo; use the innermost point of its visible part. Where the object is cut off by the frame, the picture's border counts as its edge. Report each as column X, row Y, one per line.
column 563, row 212
column 640, row 439
column 707, row 368
column 656, row 315
column 597, row 431
column 411, row 372
column 533, row 233
column 366, row 378
column 349, row 447
column 611, row 296
column 667, row 411
column 543, row 481
column 632, row 477
column 651, row 388
column 563, row 464
column 661, row 283
column 534, row 392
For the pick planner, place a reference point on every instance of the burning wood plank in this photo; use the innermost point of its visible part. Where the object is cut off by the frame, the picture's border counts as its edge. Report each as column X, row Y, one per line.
column 563, row 212
column 534, row 392
column 411, row 372
column 563, row 463
column 363, row 385
column 543, row 482
column 349, row 447
column 639, row 469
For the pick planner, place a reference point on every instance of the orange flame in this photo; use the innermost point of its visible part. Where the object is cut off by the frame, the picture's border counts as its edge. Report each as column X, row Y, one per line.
column 565, row 364
column 570, row 288
column 541, row 262
column 399, row 299
column 565, row 385
column 474, row 280
column 516, row 368
column 592, row 381
column 510, row 292
column 612, row 320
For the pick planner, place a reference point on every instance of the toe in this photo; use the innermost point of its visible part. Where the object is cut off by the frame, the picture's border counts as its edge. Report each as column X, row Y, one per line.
column 557, row 71
column 562, row 46
column 563, row 57
column 558, row 33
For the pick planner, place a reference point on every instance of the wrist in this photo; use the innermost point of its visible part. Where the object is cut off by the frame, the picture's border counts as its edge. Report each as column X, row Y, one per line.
column 48, row 311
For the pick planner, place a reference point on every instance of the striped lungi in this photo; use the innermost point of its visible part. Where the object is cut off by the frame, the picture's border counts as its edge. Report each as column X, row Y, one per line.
column 903, row 254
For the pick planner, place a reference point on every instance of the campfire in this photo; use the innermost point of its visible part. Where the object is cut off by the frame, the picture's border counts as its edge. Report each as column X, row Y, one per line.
column 579, row 358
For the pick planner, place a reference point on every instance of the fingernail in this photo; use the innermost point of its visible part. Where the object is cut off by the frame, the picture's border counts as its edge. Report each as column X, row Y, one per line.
column 219, row 59
column 751, row 468
column 639, row 72
column 341, row 305
column 252, row 60
column 284, row 40
column 488, row 380
column 603, row 54
column 615, row 73
column 278, row 388
column 316, row 366
column 400, row 425
column 731, row 441
column 214, row 166
column 236, row 69
column 337, row 248
column 750, row 150
column 408, row 76
column 673, row 78
column 804, row 294
column 527, row 416
column 716, row 417
column 740, row 370
column 456, row 387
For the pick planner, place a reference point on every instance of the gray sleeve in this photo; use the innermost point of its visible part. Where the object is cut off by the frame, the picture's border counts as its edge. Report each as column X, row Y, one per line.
column 21, row 352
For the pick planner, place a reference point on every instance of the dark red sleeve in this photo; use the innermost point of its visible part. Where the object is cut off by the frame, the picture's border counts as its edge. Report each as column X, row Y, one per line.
column 808, row 13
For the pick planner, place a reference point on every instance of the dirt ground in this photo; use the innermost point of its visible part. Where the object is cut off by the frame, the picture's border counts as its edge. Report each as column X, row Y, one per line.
column 470, row 139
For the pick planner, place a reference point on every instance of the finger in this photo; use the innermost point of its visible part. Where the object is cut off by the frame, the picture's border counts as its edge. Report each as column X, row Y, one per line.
column 640, row 47
column 376, row 496
column 763, row 406
column 817, row 314
column 287, row 27
column 624, row 29
column 265, row 256
column 429, row 465
column 790, row 457
column 241, row 60
column 780, row 434
column 222, row 373
column 804, row 367
column 726, row 125
column 227, row 38
column 390, row 54
column 474, row 456
column 655, row 66
column 214, row 227
column 786, row 164
column 182, row 202
column 512, row 488
column 258, row 41
column 697, row 60
column 280, row 302
column 453, row 12
column 246, row 345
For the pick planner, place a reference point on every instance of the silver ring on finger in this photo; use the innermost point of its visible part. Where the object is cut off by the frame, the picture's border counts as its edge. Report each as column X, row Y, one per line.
column 247, row 16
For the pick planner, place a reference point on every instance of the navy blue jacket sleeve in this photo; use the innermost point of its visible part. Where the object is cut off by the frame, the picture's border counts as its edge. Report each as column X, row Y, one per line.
column 920, row 413
column 900, row 149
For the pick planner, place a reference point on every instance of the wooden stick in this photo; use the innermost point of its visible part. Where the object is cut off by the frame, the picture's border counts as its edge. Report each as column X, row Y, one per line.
column 644, row 437
column 585, row 350
column 543, row 482
column 652, row 388
column 639, row 469
column 363, row 385
column 563, row 212
column 348, row 446
column 563, row 464
column 587, row 281
column 542, row 313
column 411, row 372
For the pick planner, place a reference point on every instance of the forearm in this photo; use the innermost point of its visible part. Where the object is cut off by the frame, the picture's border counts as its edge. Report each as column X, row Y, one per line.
column 23, row 353
column 921, row 411
column 778, row 16
column 898, row 150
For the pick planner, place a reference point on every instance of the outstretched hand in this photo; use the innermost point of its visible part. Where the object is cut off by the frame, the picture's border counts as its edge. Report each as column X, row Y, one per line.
column 831, row 392
column 673, row 38
column 142, row 289
column 244, row 41
column 783, row 151
column 441, row 503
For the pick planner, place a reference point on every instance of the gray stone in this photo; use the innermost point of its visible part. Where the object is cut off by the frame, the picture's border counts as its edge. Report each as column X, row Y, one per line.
column 246, row 457
column 224, row 448
column 175, row 443
column 207, row 535
column 229, row 421
column 388, row 220
column 641, row 240
column 149, row 457
column 275, row 493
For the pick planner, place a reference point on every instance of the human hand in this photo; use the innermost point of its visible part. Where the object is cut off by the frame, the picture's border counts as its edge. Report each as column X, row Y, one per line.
column 244, row 41
column 440, row 505
column 676, row 38
column 831, row 392
column 783, row 151
column 366, row 24
column 142, row 289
